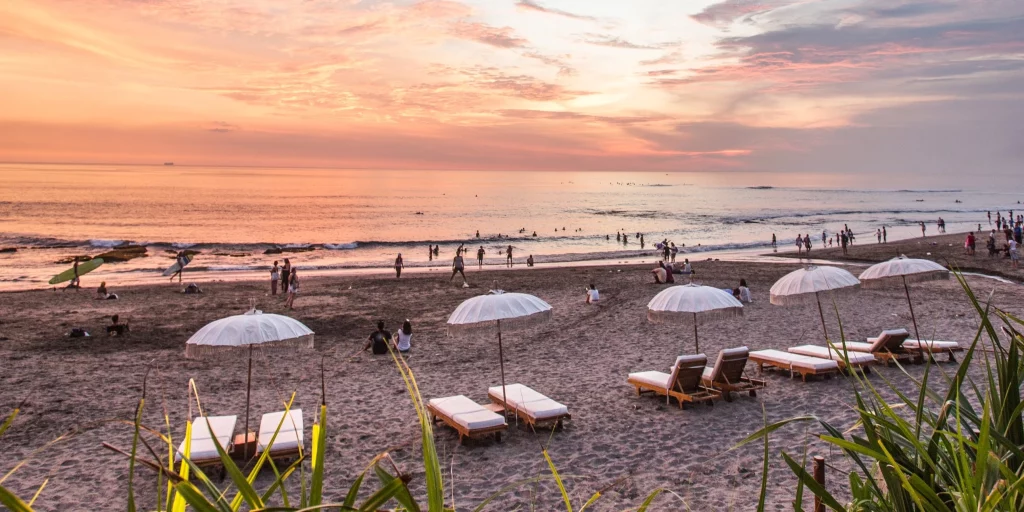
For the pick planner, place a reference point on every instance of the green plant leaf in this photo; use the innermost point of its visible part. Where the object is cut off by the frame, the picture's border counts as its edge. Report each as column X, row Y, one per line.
column 558, row 480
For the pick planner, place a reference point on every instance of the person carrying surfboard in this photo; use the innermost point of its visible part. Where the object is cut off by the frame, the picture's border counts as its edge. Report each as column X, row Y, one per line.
column 75, row 281
column 181, row 262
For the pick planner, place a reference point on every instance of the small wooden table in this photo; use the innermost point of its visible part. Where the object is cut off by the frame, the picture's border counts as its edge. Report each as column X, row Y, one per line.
column 495, row 408
column 243, row 445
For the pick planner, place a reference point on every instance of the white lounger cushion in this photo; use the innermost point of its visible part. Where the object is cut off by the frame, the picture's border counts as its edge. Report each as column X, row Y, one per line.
column 288, row 438
column 202, row 447
column 653, row 378
column 856, row 346
column 795, row 361
column 523, row 398
column 931, row 345
column 828, row 353
column 466, row 412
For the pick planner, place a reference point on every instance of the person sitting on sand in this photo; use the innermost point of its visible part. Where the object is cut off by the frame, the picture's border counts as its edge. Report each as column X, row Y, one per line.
column 403, row 338
column 659, row 273
column 117, row 328
column 592, row 294
column 101, row 292
column 191, row 289
column 744, row 292
column 529, row 261
column 687, row 269
column 378, row 340
column 736, row 293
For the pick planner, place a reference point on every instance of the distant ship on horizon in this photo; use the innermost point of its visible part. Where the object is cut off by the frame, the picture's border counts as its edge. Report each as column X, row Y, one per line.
column 168, row 163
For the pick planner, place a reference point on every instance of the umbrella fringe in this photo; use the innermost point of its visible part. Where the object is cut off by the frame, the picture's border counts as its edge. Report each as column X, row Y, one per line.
column 895, row 281
column 807, row 298
column 491, row 326
column 686, row 318
column 193, row 351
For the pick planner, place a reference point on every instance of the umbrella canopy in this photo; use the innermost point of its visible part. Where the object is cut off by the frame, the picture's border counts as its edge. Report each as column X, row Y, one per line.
column 495, row 311
column 911, row 270
column 693, row 304
column 907, row 270
column 253, row 330
column 484, row 312
column 805, row 285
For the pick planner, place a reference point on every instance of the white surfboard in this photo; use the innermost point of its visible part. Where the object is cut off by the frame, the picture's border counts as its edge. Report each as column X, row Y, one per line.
column 177, row 266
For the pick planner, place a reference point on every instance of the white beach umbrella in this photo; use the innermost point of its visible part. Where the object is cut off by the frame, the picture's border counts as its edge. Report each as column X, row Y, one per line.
column 907, row 270
column 496, row 311
column 693, row 304
column 253, row 331
column 806, row 284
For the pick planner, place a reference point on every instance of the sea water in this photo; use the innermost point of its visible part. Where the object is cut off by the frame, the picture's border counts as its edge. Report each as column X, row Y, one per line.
column 329, row 219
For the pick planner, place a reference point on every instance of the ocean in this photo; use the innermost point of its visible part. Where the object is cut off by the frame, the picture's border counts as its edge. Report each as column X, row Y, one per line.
column 328, row 220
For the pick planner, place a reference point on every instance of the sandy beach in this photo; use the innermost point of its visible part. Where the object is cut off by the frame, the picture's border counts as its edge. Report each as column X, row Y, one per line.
column 616, row 441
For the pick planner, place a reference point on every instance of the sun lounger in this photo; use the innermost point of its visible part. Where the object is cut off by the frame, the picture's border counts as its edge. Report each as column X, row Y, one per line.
column 856, row 359
column 885, row 347
column 529, row 405
column 467, row 417
column 727, row 374
column 933, row 347
column 288, row 442
column 794, row 363
column 683, row 383
column 202, row 450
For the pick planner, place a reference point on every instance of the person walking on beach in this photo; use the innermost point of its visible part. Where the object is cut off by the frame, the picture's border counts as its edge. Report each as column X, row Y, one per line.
column 399, row 265
column 76, row 282
column 878, row 234
column 823, row 238
column 293, row 288
column 430, row 253
column 675, row 250
column 885, row 236
column 807, row 243
column 799, row 244
column 774, row 241
column 480, row 257
column 275, row 275
column 181, row 261
column 458, row 267
column 844, row 241
column 508, row 256
column 922, row 228
column 286, row 272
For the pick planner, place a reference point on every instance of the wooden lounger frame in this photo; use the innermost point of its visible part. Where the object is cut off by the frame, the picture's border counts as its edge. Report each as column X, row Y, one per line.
column 531, row 420
column 886, row 354
column 921, row 352
column 464, row 432
column 686, row 386
column 735, row 366
column 793, row 370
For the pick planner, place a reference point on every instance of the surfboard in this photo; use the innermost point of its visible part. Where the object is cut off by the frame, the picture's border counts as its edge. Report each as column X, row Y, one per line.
column 83, row 268
column 176, row 267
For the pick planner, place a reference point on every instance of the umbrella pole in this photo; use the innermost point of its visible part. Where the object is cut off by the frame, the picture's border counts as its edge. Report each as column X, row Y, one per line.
column 248, row 388
column 822, row 315
column 911, row 304
column 696, row 342
column 501, row 358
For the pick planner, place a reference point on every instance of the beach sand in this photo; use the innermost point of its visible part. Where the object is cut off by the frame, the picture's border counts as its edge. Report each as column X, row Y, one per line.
column 617, row 442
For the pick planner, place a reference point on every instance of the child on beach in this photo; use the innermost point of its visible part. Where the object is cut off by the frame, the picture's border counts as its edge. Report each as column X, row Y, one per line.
column 592, row 294
column 403, row 338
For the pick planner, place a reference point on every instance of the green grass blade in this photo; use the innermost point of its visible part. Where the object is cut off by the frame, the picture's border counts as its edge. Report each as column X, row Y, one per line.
column 319, row 447
column 9, row 420
column 193, row 497
column 382, row 496
column 558, row 480
column 650, row 499
column 12, row 502
column 353, row 492
column 245, row 488
column 815, row 487
column 402, row 496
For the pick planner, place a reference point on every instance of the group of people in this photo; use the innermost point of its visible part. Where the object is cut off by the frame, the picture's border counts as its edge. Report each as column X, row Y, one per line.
column 288, row 277
column 380, row 340
column 663, row 273
column 1012, row 239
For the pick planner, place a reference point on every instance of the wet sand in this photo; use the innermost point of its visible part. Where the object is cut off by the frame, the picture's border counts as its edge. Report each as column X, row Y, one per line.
column 581, row 358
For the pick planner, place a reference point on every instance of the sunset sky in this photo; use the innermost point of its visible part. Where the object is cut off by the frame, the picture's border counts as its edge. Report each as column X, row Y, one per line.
column 845, row 86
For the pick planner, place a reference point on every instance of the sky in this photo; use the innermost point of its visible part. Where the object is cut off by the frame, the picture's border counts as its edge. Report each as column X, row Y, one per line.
column 929, row 89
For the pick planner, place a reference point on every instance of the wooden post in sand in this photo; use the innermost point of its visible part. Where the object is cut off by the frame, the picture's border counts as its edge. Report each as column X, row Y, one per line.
column 819, row 476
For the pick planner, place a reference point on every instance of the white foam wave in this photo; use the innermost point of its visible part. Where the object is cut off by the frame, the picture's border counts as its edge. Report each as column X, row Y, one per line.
column 339, row 247
column 105, row 243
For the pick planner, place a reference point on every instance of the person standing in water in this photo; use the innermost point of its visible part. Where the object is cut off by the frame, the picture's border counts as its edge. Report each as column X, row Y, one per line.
column 430, row 253
column 774, row 241
column 480, row 257
column 885, row 236
column 508, row 256
column 399, row 265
